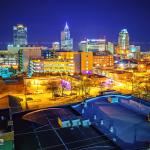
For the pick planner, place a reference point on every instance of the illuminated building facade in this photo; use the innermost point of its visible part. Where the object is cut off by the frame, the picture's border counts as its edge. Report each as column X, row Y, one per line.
column 124, row 50
column 135, row 52
column 66, row 55
column 13, row 49
column 8, row 59
column 143, row 66
column 48, row 53
column 119, row 75
column 66, row 40
column 110, row 47
column 5, row 72
column 86, row 62
column 72, row 56
column 102, row 60
column 20, row 35
column 122, row 53
column 126, row 64
column 24, row 55
column 83, row 61
column 123, row 44
column 56, row 46
column 55, row 66
column 145, row 56
column 93, row 45
column 123, row 39
column 65, row 62
column 144, row 63
column 83, row 46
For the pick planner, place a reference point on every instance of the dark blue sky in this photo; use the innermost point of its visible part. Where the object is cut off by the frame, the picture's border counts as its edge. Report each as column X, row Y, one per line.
column 87, row 18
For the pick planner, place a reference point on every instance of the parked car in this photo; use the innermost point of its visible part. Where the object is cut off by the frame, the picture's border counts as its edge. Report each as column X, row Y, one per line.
column 73, row 94
column 57, row 95
column 38, row 92
column 28, row 93
column 29, row 99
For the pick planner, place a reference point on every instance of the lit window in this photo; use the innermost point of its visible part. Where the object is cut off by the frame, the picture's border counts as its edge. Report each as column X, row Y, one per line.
column 111, row 129
column 102, row 122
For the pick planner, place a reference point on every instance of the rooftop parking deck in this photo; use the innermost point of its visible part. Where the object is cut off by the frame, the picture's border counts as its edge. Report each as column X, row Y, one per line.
column 124, row 122
column 39, row 130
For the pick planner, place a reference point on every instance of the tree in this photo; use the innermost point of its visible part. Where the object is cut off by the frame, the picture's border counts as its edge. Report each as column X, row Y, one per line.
column 141, row 87
column 53, row 87
column 146, row 88
column 86, row 86
column 101, row 85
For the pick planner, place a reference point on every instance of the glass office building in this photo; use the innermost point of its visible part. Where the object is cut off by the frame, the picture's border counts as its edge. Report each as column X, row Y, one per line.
column 20, row 35
column 66, row 40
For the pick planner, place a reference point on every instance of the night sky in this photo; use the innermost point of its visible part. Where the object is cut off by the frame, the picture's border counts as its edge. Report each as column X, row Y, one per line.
column 45, row 19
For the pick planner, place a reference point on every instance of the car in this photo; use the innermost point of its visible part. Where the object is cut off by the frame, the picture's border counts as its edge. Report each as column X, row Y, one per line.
column 38, row 92
column 37, row 100
column 56, row 95
column 73, row 94
column 28, row 93
column 29, row 99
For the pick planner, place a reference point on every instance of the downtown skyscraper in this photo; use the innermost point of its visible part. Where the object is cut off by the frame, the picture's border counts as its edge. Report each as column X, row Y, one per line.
column 66, row 40
column 123, row 39
column 20, row 35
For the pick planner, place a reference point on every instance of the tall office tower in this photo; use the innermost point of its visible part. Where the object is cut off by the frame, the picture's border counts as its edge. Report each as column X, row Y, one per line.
column 123, row 39
column 66, row 41
column 20, row 35
column 110, row 47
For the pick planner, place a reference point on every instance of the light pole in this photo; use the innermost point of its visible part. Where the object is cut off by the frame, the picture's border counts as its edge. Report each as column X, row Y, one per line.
column 132, row 80
column 25, row 92
column 71, row 85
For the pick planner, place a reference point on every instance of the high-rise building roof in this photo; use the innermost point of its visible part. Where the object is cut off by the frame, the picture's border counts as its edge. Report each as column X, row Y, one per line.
column 66, row 27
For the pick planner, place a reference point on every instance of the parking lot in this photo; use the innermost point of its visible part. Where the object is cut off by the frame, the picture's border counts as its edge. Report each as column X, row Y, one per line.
column 124, row 120
column 39, row 131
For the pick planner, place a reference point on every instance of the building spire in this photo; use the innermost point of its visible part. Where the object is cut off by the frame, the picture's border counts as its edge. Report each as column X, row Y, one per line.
column 66, row 26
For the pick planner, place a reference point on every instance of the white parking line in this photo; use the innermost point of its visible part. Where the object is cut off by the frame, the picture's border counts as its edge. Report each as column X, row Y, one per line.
column 57, row 134
column 37, row 138
column 41, row 127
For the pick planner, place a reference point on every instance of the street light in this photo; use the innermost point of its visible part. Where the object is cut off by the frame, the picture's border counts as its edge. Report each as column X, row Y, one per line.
column 25, row 92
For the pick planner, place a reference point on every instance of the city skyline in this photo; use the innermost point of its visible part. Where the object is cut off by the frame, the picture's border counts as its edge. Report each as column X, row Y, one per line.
column 74, row 74
column 59, row 41
column 102, row 19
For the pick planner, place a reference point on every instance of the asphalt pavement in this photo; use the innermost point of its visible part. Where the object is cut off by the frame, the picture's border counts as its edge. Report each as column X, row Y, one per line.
column 39, row 130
